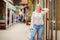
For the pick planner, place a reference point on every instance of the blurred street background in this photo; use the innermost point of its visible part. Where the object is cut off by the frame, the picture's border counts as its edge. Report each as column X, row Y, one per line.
column 15, row 18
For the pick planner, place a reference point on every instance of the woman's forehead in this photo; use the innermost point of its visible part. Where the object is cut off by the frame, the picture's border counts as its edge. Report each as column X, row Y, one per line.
column 38, row 7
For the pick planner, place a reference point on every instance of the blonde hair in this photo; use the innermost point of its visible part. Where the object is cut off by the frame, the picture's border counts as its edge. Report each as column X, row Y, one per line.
column 38, row 5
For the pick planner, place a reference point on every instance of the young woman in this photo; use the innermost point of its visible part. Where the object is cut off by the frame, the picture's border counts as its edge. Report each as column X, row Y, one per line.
column 37, row 21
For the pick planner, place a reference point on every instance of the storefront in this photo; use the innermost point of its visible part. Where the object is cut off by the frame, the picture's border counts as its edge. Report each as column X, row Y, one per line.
column 10, row 14
column 6, row 12
column 2, row 14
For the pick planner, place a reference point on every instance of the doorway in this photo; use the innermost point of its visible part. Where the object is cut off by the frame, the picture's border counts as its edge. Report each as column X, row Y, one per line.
column 8, row 16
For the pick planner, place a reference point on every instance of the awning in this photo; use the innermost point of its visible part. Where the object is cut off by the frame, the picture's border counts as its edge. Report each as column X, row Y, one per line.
column 9, row 5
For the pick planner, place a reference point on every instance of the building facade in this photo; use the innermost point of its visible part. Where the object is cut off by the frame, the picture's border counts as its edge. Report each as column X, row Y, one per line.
column 52, row 21
column 7, row 10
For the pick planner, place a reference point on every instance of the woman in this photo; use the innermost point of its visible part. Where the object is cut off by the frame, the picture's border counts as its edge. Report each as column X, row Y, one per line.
column 37, row 21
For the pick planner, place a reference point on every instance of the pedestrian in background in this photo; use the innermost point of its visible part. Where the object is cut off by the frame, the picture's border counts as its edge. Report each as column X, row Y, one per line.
column 17, row 18
column 20, row 16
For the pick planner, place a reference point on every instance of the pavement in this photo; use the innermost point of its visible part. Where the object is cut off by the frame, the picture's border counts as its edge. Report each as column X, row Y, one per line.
column 19, row 31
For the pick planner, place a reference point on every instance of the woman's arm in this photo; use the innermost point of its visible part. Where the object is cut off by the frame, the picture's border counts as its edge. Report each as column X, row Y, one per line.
column 44, row 10
column 32, row 21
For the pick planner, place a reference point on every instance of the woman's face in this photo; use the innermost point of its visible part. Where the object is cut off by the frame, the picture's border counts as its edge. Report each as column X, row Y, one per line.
column 39, row 8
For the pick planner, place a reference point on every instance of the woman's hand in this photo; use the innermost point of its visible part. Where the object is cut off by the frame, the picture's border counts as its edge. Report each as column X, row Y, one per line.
column 41, row 8
column 31, row 28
